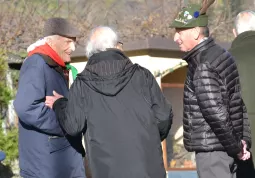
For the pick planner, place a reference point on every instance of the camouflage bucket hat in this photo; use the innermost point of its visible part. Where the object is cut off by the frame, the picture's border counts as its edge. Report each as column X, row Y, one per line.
column 190, row 17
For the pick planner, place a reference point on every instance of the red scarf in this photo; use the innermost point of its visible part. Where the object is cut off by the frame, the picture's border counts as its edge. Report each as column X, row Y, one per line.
column 47, row 50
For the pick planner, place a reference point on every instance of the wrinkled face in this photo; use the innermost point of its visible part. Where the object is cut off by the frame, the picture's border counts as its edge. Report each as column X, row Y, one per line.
column 64, row 47
column 186, row 38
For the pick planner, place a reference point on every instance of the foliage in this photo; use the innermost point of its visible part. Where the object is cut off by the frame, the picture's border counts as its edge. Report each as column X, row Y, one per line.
column 9, row 139
column 21, row 22
column 5, row 95
column 3, row 64
column 15, row 58
column 9, row 143
column 15, row 79
column 5, row 92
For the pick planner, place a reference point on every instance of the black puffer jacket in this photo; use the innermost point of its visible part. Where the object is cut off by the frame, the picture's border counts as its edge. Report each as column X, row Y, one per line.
column 215, row 117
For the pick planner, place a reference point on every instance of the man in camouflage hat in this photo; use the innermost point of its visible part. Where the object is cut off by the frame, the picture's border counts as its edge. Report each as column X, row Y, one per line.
column 215, row 119
column 45, row 150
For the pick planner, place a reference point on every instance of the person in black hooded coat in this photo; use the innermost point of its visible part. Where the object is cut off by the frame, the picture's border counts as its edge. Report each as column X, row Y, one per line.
column 122, row 110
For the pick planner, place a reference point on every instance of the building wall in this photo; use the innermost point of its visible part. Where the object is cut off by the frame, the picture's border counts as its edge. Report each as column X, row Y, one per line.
column 153, row 63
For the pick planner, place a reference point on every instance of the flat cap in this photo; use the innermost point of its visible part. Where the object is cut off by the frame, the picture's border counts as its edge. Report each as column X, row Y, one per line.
column 60, row 26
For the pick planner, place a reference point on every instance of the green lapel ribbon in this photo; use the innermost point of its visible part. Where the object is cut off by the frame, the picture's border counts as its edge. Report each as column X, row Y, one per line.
column 73, row 70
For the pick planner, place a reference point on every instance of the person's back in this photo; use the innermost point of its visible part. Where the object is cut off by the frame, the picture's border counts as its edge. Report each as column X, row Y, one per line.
column 123, row 138
column 243, row 51
column 125, row 113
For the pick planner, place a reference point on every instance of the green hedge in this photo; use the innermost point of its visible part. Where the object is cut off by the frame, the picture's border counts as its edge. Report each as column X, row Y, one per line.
column 8, row 140
column 9, row 143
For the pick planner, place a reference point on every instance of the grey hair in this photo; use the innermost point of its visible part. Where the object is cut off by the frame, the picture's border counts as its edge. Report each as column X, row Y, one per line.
column 100, row 39
column 243, row 24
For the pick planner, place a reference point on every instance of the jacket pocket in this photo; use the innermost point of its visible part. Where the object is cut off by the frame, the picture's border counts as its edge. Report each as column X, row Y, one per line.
column 58, row 143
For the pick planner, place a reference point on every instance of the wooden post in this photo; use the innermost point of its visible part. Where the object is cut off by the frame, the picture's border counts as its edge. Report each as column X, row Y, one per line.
column 163, row 143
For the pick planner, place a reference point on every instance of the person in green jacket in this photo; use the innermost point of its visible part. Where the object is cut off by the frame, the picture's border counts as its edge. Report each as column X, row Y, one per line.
column 243, row 51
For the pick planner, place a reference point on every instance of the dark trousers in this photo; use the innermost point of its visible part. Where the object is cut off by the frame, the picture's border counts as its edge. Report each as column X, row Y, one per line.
column 215, row 164
column 245, row 169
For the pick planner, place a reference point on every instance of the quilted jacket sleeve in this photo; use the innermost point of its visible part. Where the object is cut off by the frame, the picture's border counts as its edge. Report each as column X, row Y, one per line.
column 210, row 101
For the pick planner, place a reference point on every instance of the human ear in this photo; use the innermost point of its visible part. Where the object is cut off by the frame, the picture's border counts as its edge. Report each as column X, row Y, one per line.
column 196, row 33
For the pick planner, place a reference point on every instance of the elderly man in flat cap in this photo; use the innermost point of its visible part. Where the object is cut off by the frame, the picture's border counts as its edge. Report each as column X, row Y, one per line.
column 45, row 151
column 215, row 119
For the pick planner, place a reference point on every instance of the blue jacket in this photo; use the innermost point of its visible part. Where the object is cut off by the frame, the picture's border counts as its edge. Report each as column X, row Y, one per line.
column 44, row 151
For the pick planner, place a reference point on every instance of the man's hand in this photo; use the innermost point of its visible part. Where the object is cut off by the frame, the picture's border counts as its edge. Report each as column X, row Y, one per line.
column 50, row 100
column 244, row 154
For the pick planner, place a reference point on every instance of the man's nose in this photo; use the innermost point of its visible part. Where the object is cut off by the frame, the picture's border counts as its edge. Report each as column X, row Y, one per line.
column 176, row 36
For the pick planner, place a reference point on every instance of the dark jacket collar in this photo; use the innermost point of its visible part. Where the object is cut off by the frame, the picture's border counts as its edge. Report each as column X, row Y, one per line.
column 51, row 63
column 108, row 72
column 109, row 54
column 49, row 60
column 244, row 38
column 198, row 49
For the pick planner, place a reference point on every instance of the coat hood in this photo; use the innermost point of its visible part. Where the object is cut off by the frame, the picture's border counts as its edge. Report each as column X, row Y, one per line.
column 108, row 72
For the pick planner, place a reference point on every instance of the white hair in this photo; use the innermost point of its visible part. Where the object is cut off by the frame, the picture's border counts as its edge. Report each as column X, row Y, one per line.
column 41, row 42
column 245, row 21
column 100, row 39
